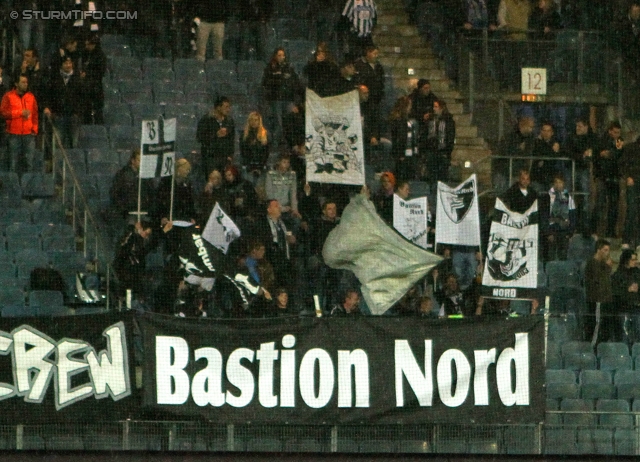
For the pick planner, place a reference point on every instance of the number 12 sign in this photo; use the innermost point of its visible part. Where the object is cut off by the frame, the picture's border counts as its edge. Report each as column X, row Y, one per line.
column 534, row 81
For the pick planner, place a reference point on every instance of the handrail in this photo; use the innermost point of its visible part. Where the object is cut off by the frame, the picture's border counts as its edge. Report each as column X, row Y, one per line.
column 88, row 219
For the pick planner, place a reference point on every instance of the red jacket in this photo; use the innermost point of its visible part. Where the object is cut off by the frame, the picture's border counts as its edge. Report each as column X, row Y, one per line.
column 11, row 110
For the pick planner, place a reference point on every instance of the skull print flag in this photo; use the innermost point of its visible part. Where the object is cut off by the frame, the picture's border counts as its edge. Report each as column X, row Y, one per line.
column 511, row 268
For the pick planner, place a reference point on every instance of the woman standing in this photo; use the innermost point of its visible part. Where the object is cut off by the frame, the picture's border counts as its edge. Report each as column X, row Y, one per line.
column 438, row 143
column 254, row 147
column 404, row 139
column 280, row 84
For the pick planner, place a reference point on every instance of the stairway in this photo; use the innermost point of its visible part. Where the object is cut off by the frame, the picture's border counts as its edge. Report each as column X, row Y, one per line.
column 407, row 58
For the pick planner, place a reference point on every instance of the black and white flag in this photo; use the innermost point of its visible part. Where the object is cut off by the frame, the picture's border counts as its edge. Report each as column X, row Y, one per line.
column 220, row 229
column 335, row 153
column 457, row 214
column 157, row 145
column 511, row 267
column 410, row 219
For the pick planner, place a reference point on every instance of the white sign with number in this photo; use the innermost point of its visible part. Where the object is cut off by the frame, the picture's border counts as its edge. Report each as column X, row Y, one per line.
column 534, row 81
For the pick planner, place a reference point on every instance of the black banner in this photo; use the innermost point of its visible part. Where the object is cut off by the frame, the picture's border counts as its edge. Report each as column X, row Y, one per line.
column 372, row 370
column 76, row 368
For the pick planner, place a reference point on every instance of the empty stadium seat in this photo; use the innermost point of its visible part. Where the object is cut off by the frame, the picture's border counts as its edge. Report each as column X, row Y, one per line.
column 10, row 190
column 612, row 348
column 615, row 362
column 186, row 69
column 11, row 296
column 36, row 184
column 124, row 64
column 596, row 385
column 15, row 215
column 28, row 259
column 563, row 274
column 627, row 384
column 220, row 70
column 584, row 407
column 561, row 384
column 615, row 406
column 299, row 51
column 625, row 441
column 595, row 441
column 18, row 311
column 250, row 71
column 169, row 97
column 117, row 114
column 101, row 155
column 635, row 350
column 124, row 137
column 580, row 361
column 23, row 236
column 576, row 347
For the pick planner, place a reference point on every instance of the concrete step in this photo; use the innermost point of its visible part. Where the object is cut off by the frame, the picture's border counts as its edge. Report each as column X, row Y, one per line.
column 396, row 30
column 417, row 63
column 467, row 132
column 392, row 19
column 455, row 108
column 382, row 39
column 461, row 120
column 401, row 50
column 469, row 142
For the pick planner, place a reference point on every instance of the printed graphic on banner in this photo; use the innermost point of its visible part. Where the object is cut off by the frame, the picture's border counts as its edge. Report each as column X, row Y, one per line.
column 47, row 368
column 337, row 371
column 157, row 145
column 220, row 229
column 410, row 219
column 511, row 267
column 457, row 214
column 335, row 153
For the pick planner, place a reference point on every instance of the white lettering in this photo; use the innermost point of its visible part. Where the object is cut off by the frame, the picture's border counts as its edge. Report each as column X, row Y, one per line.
column 483, row 359
column 240, row 377
column 267, row 354
column 326, row 378
column 67, row 368
column 172, row 382
column 406, row 365
column 288, row 373
column 520, row 356
column 109, row 370
column 33, row 360
column 448, row 396
column 207, row 387
column 348, row 360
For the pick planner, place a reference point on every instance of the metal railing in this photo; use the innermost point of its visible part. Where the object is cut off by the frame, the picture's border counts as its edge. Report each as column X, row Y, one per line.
column 581, row 66
column 74, row 202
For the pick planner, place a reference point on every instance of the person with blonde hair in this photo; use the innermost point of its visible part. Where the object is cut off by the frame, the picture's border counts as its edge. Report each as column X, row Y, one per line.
column 254, row 146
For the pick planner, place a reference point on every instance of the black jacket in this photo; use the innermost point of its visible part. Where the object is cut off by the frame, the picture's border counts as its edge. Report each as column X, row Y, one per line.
column 213, row 146
column 606, row 168
column 210, row 10
column 64, row 99
column 280, row 82
column 254, row 153
column 321, row 76
column 576, row 146
column 373, row 78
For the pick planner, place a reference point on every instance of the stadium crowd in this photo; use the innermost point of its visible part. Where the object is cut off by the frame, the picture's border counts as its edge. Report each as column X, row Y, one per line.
column 261, row 185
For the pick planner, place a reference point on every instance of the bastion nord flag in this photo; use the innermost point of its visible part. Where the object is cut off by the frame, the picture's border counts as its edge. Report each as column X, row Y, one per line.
column 457, row 214
column 410, row 219
column 386, row 264
column 335, row 153
column 511, row 267
column 157, row 146
column 220, row 229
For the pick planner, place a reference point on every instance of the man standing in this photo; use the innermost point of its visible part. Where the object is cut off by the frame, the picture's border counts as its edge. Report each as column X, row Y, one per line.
column 210, row 17
column 64, row 104
column 31, row 68
column 371, row 74
column 216, row 134
column 544, row 147
column 20, row 110
column 606, row 174
column 597, row 283
column 422, row 99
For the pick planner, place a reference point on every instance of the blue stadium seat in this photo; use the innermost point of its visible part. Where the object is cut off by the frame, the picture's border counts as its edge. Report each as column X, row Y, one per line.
column 11, row 296
column 584, row 406
column 60, row 238
column 554, row 358
column 595, row 441
column 196, row 443
column 15, row 215
column 567, row 300
column 196, row 84
column 615, row 362
column 615, row 406
column 635, row 350
column 199, row 95
column 18, row 311
column 233, row 90
column 250, row 71
column 561, row 384
column 220, row 70
column 347, row 445
column 596, row 385
column 124, row 64
column 78, row 160
column 64, row 443
column 103, row 168
column 628, row 384
column 111, row 93
column 68, row 262
column 580, row 361
column 28, row 259
column 186, row 69
column 100, row 155
column 36, row 184
column 46, row 298
column 124, row 137
column 117, row 114
column 612, row 348
column 118, row 49
column 169, row 97
column 576, row 347
column 23, row 236
column 7, row 270
column 10, row 190
column 33, row 442
column 299, row 51
column 625, row 441
column 140, row 96
column 291, row 28
column 157, row 69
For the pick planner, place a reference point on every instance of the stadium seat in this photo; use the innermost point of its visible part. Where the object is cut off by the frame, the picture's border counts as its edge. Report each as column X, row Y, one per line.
column 264, row 445
column 23, row 236
column 10, row 190
column 628, row 384
column 614, row 406
column 7, row 270
column 196, row 443
column 250, row 71
column 59, row 238
column 28, row 259
column 11, row 296
column 347, row 445
column 561, row 384
column 104, row 168
column 18, row 311
column 567, row 300
column 33, row 442
column 15, row 215
column 595, row 441
column 124, row 137
column 635, row 350
column 124, row 64
column 554, row 358
column 615, row 362
column 141, row 96
column 36, row 184
column 299, row 51
column 584, row 406
column 612, row 348
column 576, row 347
column 596, row 385
column 68, row 262
column 117, row 114
column 580, row 361
column 186, row 69
column 625, row 441
column 100, row 155
column 291, row 28
column 220, row 70
column 169, row 97
column 46, row 298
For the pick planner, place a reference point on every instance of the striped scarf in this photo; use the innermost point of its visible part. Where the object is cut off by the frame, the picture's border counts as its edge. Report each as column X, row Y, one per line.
column 361, row 15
